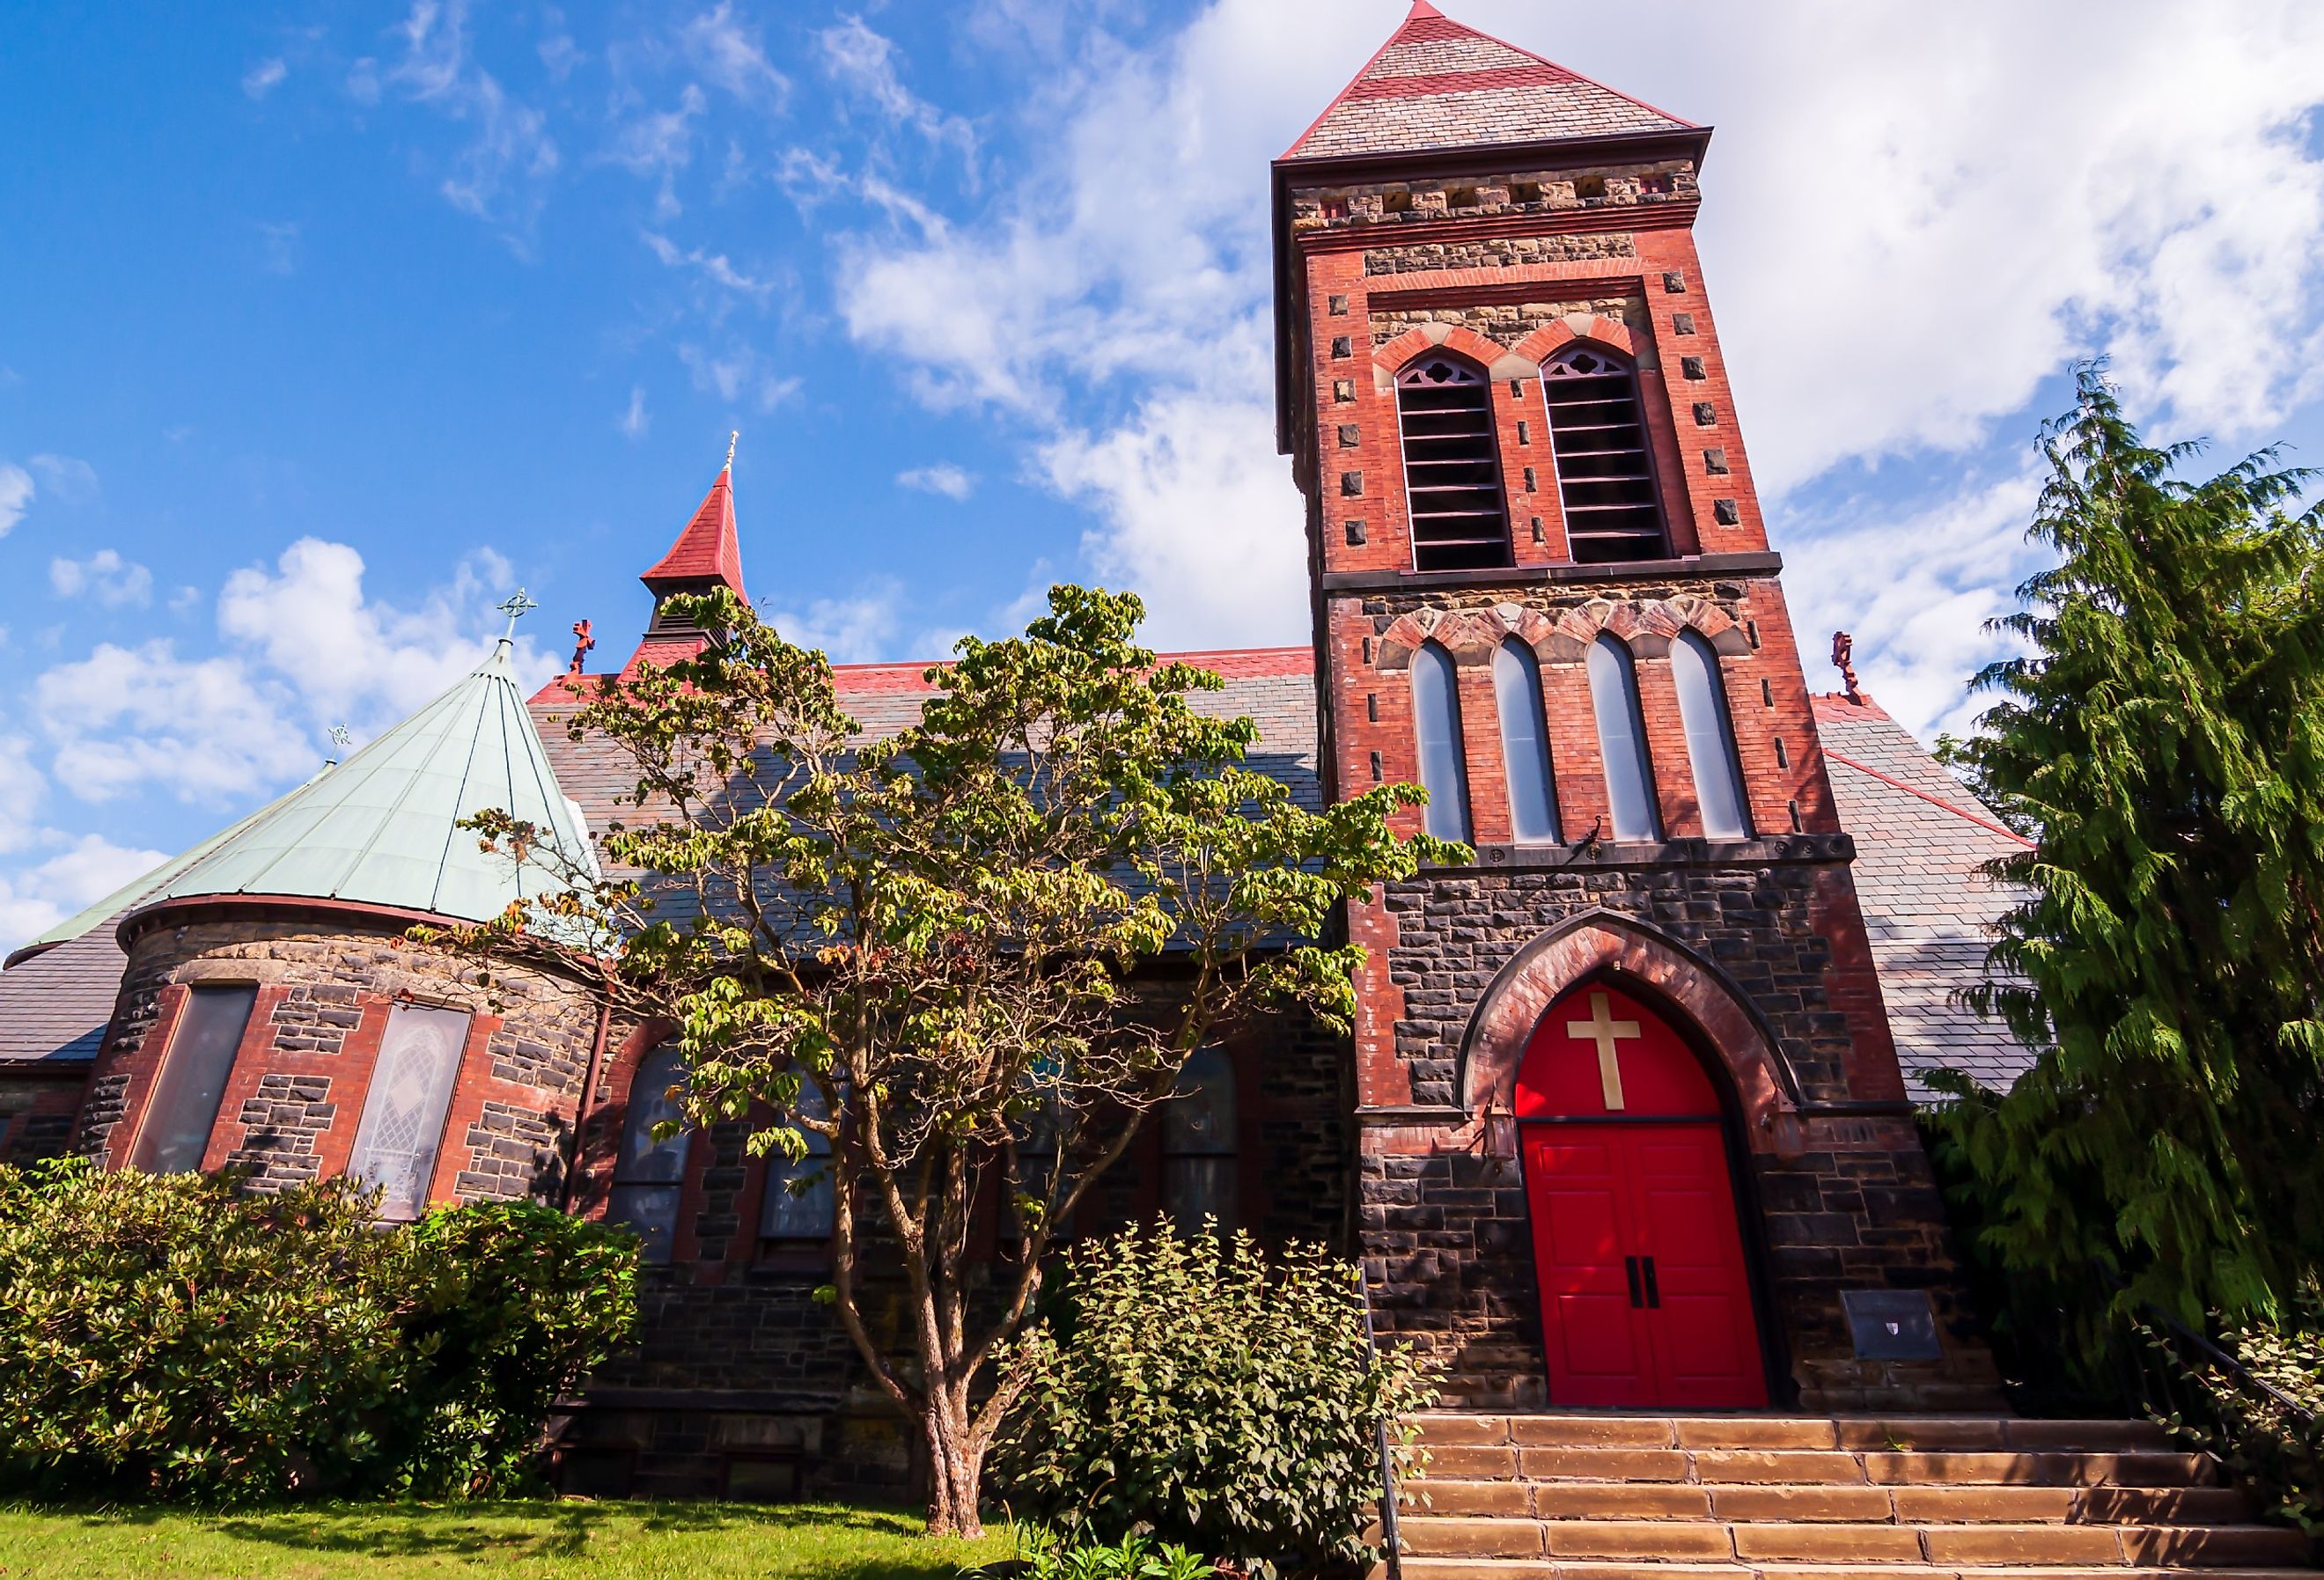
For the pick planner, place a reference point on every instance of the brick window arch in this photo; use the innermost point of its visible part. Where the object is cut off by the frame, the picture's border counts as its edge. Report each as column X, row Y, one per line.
column 1436, row 731
column 1451, row 467
column 1605, row 476
column 1525, row 744
column 1622, row 740
column 1709, row 738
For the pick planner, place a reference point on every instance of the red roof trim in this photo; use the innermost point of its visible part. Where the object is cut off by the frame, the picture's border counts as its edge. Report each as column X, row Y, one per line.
column 1911, row 790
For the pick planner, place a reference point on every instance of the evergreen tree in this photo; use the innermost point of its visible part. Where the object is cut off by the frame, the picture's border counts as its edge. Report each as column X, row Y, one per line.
column 2162, row 742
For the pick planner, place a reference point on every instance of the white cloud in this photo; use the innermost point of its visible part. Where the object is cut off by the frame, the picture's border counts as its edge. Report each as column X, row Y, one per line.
column 731, row 56
column 64, row 476
column 742, row 373
column 952, row 481
column 855, row 630
column 865, row 60
column 106, row 576
column 660, row 143
column 210, row 730
column 265, row 78
column 713, row 266
column 634, row 421
column 35, row 898
column 16, row 496
column 499, row 177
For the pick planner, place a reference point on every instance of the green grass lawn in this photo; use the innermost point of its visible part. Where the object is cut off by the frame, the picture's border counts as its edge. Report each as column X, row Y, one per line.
column 636, row 1541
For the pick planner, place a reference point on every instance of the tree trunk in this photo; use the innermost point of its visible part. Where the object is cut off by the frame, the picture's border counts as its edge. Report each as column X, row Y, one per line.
column 955, row 1468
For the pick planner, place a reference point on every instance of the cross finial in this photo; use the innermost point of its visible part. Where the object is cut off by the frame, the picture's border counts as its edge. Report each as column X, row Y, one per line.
column 516, row 607
column 733, row 438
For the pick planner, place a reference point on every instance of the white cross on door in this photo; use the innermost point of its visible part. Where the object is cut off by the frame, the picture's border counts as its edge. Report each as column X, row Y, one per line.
column 1603, row 1030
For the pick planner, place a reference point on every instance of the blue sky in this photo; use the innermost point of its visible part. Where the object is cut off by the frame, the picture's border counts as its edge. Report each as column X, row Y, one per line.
column 322, row 327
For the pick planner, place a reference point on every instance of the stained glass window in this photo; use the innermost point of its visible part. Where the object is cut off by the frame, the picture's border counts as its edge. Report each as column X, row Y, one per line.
column 1436, row 723
column 1622, row 740
column 1524, row 746
column 1198, row 1143
column 403, row 1114
column 1709, row 738
column 650, row 1173
column 184, row 1106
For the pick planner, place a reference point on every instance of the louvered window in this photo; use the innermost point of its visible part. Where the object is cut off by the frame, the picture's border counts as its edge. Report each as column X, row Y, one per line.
column 1603, row 475
column 1451, row 470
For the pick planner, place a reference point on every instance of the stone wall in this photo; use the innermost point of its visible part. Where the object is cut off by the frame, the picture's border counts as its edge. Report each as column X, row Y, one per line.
column 326, row 982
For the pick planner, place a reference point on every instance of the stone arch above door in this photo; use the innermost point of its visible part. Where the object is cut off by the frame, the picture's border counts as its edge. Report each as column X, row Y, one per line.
column 1767, row 1088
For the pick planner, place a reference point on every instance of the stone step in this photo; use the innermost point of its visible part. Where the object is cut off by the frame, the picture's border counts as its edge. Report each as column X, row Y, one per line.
column 1799, row 1466
column 1547, row 1569
column 1928, row 1434
column 1987, row 1546
column 1950, row 1504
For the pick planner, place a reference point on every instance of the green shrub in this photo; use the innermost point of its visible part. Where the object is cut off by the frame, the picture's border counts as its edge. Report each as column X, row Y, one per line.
column 1189, row 1388
column 173, row 1337
column 1136, row 1556
column 2277, row 1452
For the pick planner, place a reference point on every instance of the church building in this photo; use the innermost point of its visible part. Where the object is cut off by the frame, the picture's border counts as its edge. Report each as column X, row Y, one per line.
column 1626, row 1120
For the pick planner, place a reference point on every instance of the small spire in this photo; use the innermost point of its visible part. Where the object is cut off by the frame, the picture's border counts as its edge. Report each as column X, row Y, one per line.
column 516, row 607
column 733, row 438
column 1843, row 659
column 341, row 739
column 1421, row 8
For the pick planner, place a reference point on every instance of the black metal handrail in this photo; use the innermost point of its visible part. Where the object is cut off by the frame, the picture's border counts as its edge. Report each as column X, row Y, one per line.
column 1390, row 1538
column 2243, row 1376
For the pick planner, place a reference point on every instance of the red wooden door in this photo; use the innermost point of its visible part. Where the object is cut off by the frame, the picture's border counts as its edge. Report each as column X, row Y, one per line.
column 1646, row 1298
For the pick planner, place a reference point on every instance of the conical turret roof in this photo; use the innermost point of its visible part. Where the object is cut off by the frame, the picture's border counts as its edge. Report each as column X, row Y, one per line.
column 1437, row 83
column 383, row 828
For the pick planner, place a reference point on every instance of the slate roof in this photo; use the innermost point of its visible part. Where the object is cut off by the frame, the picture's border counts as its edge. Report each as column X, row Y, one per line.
column 1920, row 839
column 1439, row 84
column 55, row 1006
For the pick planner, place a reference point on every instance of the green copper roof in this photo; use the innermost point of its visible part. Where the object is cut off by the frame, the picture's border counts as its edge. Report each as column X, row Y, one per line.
column 382, row 828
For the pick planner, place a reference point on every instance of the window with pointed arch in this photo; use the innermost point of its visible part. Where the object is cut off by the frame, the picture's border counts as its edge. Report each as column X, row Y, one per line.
column 1525, row 744
column 1436, row 730
column 1451, row 467
column 1605, row 473
column 650, row 1174
column 1709, row 738
column 799, row 1205
column 1622, row 740
column 1199, row 1152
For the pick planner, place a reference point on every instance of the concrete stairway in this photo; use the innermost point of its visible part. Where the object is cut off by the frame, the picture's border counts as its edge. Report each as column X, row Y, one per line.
column 1596, row 1497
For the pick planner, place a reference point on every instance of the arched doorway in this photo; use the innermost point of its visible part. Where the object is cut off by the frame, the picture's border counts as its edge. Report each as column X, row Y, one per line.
column 1646, row 1297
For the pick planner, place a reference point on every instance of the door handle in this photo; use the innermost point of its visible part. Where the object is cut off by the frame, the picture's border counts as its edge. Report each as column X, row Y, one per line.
column 1630, row 1266
column 1653, row 1293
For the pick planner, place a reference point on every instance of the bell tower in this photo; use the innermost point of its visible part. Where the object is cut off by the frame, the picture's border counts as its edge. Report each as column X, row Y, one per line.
column 1543, row 588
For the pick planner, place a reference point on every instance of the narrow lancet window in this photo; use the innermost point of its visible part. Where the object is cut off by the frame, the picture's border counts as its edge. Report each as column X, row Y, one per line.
column 411, row 1097
column 801, row 1202
column 1709, row 738
column 1604, row 479
column 1524, row 746
column 1198, row 1145
column 1436, row 723
column 1452, row 468
column 1622, row 740
column 649, row 1174
column 185, row 1103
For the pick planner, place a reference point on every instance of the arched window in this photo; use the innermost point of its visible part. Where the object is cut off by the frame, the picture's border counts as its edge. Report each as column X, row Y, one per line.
column 1436, row 723
column 649, row 1174
column 799, row 1204
column 1709, row 738
column 1524, row 746
column 1622, row 740
column 1198, row 1143
column 1452, row 469
column 1604, row 479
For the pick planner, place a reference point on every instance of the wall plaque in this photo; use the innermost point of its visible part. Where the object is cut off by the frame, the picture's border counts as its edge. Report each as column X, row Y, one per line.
column 1892, row 1325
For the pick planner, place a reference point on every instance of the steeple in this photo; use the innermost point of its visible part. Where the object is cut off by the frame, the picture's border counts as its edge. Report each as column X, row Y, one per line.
column 707, row 554
column 1437, row 84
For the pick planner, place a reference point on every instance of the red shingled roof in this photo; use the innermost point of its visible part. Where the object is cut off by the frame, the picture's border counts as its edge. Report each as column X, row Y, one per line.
column 1438, row 84
column 707, row 550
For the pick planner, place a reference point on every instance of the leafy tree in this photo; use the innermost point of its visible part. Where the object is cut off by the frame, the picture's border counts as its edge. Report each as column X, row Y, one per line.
column 968, row 956
column 2162, row 742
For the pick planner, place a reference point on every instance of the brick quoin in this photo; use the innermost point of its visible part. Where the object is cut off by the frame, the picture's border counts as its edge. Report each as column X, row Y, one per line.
column 1503, row 253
